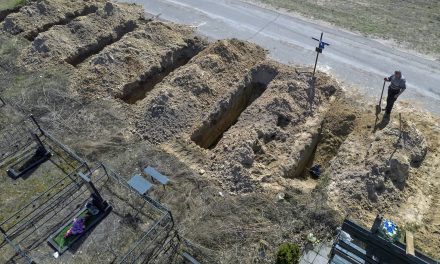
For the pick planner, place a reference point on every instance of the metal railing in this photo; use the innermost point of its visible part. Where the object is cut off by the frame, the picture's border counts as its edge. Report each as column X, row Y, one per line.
column 16, row 137
column 146, row 246
column 18, row 229
column 17, row 248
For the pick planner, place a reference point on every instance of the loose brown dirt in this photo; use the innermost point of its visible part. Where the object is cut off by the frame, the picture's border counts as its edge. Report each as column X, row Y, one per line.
column 235, row 131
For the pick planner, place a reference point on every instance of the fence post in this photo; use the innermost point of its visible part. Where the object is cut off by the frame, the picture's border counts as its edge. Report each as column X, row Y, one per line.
column 36, row 123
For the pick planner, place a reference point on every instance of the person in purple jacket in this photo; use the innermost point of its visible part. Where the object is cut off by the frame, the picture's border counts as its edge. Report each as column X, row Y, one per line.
column 396, row 88
column 78, row 226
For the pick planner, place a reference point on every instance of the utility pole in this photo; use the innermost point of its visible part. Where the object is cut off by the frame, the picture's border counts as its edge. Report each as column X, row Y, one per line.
column 319, row 50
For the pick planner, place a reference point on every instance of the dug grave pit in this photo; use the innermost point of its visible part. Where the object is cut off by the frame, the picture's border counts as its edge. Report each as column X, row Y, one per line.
column 339, row 122
column 183, row 98
column 257, row 148
column 40, row 16
column 219, row 121
column 136, row 91
column 83, row 36
column 131, row 67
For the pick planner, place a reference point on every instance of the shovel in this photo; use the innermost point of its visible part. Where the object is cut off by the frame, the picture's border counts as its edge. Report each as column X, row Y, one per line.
column 378, row 107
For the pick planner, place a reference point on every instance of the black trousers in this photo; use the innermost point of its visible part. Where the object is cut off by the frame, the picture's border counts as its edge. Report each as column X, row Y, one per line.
column 391, row 99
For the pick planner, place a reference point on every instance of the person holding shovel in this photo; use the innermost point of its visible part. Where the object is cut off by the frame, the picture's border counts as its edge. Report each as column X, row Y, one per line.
column 396, row 88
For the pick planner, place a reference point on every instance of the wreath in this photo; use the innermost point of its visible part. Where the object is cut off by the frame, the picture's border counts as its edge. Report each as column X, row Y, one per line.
column 390, row 230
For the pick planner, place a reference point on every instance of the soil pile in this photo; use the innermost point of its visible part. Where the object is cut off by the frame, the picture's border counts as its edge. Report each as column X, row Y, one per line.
column 133, row 65
column 85, row 35
column 188, row 93
column 236, row 132
column 274, row 137
column 391, row 171
column 40, row 16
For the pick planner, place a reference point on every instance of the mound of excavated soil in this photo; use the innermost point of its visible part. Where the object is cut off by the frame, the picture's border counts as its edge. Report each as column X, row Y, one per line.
column 188, row 93
column 84, row 35
column 138, row 61
column 391, row 171
column 380, row 165
column 41, row 15
column 220, row 117
column 274, row 137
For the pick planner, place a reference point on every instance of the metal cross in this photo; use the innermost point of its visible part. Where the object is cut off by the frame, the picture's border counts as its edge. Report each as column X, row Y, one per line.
column 318, row 50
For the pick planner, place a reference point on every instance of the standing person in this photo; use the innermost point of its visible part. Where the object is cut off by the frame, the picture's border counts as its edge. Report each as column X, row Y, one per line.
column 396, row 88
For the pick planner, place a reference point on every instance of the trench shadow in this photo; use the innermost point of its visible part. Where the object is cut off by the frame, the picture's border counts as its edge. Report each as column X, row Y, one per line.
column 383, row 123
column 28, row 167
column 400, row 143
column 311, row 93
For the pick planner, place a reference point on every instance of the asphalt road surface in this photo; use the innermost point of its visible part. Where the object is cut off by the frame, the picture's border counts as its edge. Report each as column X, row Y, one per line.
column 358, row 61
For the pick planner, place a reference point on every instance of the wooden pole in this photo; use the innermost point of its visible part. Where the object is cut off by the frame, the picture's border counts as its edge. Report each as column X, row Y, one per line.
column 400, row 123
column 410, row 243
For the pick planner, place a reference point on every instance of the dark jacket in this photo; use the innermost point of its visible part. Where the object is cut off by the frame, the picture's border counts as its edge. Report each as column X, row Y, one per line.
column 397, row 84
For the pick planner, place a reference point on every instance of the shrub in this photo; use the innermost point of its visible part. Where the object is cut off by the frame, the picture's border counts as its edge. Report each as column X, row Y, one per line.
column 288, row 253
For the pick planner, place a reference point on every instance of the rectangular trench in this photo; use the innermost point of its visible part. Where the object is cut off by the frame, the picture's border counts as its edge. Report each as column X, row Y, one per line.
column 84, row 53
column 211, row 132
column 138, row 90
column 87, row 10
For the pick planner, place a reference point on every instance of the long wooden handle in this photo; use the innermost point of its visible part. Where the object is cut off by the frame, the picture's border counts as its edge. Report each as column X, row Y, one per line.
column 381, row 95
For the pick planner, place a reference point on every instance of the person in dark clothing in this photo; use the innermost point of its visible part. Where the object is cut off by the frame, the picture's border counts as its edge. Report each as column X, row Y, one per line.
column 396, row 88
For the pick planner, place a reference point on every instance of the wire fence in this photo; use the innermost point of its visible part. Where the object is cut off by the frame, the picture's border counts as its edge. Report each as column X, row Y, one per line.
column 151, row 241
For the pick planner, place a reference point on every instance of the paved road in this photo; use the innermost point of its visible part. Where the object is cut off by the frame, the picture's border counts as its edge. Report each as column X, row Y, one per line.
column 357, row 60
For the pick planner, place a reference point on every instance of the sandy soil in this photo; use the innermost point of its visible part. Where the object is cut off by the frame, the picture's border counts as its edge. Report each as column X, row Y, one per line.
column 390, row 171
column 235, row 131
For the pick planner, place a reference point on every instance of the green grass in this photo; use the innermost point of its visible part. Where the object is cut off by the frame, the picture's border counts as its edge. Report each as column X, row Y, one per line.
column 414, row 23
column 9, row 4
column 59, row 238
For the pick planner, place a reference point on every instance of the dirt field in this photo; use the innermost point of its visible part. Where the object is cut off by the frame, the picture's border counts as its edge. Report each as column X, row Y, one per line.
column 408, row 24
column 235, row 132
